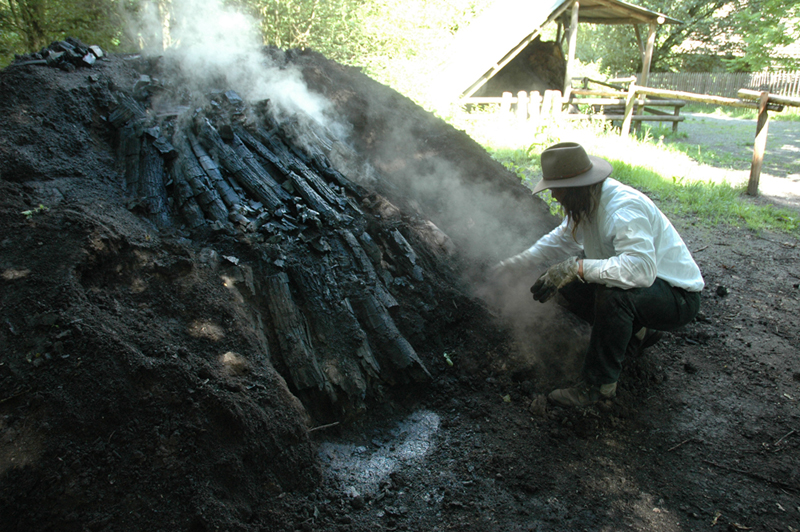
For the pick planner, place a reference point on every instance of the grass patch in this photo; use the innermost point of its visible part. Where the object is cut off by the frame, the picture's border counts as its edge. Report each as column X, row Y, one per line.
column 703, row 155
column 709, row 203
column 662, row 171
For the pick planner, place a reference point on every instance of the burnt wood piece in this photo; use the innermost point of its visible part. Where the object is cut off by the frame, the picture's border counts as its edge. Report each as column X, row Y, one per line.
column 307, row 141
column 364, row 265
column 332, row 174
column 322, row 188
column 404, row 255
column 184, row 195
column 246, row 177
column 314, row 200
column 319, row 161
column 129, row 148
column 299, row 182
column 205, row 193
column 396, row 355
column 125, row 110
column 343, row 350
column 165, row 148
column 152, row 188
column 290, row 163
column 226, row 192
column 293, row 163
column 249, row 159
column 292, row 334
column 273, row 165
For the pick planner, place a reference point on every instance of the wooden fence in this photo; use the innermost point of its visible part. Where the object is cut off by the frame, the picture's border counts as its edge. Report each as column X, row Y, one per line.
column 727, row 84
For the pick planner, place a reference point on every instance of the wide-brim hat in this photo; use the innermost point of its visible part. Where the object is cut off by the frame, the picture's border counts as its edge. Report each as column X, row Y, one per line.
column 568, row 165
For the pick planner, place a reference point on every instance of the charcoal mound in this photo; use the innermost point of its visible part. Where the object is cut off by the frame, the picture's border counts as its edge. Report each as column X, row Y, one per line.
column 192, row 283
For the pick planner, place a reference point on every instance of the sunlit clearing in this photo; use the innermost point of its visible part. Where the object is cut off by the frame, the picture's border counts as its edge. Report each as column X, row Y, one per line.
column 206, row 329
column 11, row 274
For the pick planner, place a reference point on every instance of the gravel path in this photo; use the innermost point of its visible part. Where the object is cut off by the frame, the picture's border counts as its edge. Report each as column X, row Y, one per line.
column 733, row 138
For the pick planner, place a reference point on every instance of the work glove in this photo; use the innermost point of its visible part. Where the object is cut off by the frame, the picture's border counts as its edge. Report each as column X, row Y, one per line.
column 554, row 278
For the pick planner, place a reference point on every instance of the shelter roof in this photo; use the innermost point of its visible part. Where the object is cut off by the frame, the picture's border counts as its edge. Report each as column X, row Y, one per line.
column 508, row 26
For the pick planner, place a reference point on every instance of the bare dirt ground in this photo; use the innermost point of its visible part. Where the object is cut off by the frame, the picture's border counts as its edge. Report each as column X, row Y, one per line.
column 115, row 415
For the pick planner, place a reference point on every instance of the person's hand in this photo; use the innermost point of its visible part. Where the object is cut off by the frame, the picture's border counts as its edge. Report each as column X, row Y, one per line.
column 554, row 278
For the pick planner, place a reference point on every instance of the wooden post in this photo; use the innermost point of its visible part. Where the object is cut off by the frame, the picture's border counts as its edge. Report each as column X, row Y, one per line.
column 505, row 103
column 535, row 106
column 759, row 144
column 626, row 122
column 522, row 106
column 547, row 103
column 573, row 44
column 648, row 54
column 675, row 123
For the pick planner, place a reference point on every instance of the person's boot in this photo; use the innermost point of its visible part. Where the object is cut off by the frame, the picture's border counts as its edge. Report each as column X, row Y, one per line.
column 650, row 338
column 583, row 394
column 643, row 339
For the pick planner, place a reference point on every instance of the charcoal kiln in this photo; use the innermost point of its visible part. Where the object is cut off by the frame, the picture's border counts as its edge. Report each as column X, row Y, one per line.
column 194, row 286
column 349, row 275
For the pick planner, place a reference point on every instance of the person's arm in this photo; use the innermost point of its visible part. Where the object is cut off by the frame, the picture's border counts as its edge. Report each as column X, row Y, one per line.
column 634, row 262
column 555, row 245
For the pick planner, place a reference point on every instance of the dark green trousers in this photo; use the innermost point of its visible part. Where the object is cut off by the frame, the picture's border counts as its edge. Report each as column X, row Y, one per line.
column 616, row 314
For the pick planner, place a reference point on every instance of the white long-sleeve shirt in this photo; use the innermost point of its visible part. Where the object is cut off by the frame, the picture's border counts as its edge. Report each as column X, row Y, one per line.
column 627, row 244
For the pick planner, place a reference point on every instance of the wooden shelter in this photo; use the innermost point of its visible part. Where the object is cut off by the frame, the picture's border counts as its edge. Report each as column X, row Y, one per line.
column 485, row 47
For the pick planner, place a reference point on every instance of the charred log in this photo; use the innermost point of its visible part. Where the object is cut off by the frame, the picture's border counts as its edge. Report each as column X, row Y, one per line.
column 185, row 200
column 273, row 164
column 314, row 200
column 365, row 267
column 165, row 148
column 152, row 188
column 128, row 150
column 337, row 177
column 207, row 197
column 294, row 339
column 341, row 347
column 246, row 177
column 126, row 110
column 290, row 162
column 226, row 192
column 404, row 255
column 250, row 160
column 396, row 355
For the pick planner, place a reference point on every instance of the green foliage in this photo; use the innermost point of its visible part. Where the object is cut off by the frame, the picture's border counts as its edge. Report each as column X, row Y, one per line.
column 32, row 212
column 332, row 27
column 733, row 35
column 764, row 26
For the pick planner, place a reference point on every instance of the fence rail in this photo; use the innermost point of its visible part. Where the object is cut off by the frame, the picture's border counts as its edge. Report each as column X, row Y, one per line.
column 727, row 84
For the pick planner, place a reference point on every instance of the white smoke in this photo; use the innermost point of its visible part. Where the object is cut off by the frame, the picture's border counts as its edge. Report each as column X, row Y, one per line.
column 211, row 42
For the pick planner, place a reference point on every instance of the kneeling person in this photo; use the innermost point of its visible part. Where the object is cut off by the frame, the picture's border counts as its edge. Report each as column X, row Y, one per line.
column 629, row 273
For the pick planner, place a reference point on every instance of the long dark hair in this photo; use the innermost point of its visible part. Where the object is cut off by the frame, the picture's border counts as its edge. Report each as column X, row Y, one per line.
column 580, row 203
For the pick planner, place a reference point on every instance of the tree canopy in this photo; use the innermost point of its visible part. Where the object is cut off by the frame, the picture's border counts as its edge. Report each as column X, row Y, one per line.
column 401, row 42
column 717, row 35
